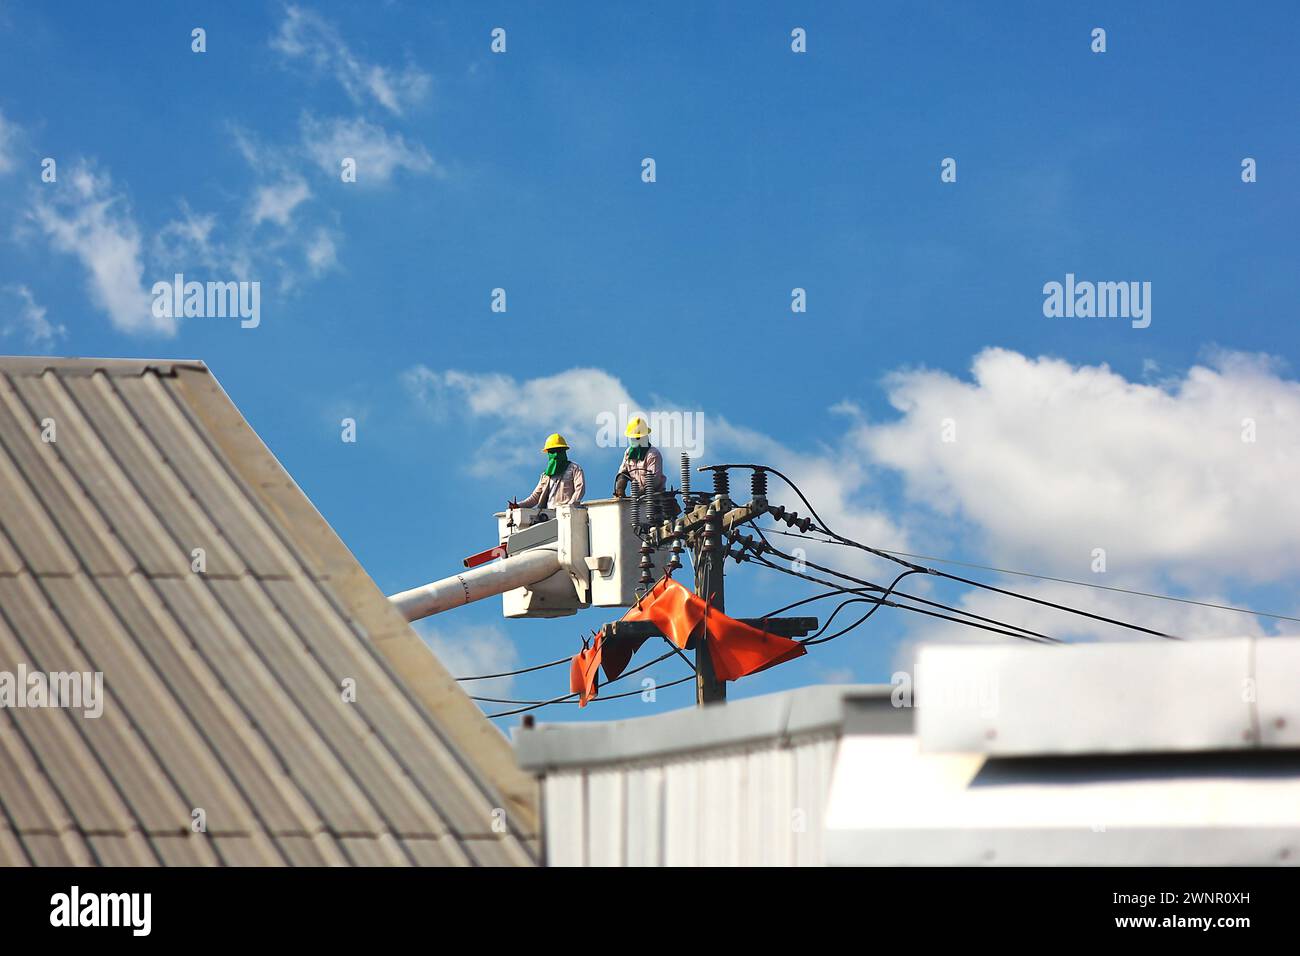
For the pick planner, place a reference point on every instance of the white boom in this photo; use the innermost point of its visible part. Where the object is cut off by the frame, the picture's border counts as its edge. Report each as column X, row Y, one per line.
column 516, row 571
column 558, row 561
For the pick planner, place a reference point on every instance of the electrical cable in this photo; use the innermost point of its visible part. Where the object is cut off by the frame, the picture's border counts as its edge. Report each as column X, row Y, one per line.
column 818, row 639
column 533, row 705
column 910, row 597
column 862, row 598
column 1048, row 577
column 630, row 693
column 525, row 670
column 809, row 600
column 566, row 700
column 842, row 631
column 1105, row 587
column 956, row 620
column 825, row 529
column 862, row 595
column 571, row 697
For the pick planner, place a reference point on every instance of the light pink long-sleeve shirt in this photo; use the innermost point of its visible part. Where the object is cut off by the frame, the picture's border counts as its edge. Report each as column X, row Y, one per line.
column 567, row 490
column 648, row 469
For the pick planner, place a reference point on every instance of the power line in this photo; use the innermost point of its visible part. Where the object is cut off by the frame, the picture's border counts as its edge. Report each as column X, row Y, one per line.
column 825, row 529
column 538, row 667
column 818, row 639
column 629, row 693
column 843, row 631
column 910, row 597
column 1102, row 587
column 956, row 620
column 568, row 698
column 525, row 670
column 870, row 586
column 861, row 596
column 809, row 600
column 1048, row 577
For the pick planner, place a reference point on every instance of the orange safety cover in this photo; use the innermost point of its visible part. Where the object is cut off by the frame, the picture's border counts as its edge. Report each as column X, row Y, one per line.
column 637, row 611
column 583, row 671
column 615, row 655
column 671, row 608
column 738, row 650
column 676, row 611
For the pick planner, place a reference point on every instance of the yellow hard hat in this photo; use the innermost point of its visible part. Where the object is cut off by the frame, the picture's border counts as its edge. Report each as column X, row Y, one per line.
column 637, row 428
column 555, row 441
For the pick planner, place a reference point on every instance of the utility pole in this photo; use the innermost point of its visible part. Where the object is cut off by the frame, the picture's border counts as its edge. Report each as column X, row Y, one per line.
column 709, row 585
column 704, row 526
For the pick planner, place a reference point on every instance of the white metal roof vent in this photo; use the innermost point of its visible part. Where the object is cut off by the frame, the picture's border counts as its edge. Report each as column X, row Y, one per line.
column 1223, row 694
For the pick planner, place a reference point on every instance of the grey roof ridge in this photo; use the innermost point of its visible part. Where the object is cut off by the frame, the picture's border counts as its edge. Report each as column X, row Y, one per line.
column 73, row 365
column 772, row 717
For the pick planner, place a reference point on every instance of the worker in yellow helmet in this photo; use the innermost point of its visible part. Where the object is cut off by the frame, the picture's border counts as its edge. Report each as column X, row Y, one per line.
column 561, row 483
column 642, row 464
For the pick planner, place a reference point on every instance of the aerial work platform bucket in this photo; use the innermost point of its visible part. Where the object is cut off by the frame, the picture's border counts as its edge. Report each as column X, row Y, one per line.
column 549, row 563
column 598, row 557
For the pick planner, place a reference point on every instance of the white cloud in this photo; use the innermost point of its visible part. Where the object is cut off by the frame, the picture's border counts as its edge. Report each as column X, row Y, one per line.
column 520, row 414
column 1054, row 460
column 267, row 241
column 29, row 319
column 190, row 241
column 86, row 218
column 378, row 153
column 306, row 36
column 8, row 144
column 276, row 203
column 469, row 651
column 1186, row 621
column 833, row 675
column 578, row 401
column 259, row 157
column 279, row 230
column 322, row 253
column 1051, row 461
column 280, row 237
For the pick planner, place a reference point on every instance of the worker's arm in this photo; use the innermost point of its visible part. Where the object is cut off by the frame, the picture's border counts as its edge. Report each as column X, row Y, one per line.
column 622, row 477
column 579, row 485
column 654, row 468
column 532, row 500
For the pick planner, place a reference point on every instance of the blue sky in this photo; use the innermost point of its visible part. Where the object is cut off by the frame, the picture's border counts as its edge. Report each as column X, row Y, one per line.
column 774, row 170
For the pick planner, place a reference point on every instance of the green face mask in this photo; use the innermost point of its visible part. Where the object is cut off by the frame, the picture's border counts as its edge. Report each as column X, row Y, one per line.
column 556, row 462
column 636, row 451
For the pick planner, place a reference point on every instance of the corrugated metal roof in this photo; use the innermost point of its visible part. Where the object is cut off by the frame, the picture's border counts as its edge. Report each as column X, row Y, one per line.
column 222, row 687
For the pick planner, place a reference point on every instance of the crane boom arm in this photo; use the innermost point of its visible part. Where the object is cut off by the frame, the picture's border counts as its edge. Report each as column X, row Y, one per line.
column 519, row 570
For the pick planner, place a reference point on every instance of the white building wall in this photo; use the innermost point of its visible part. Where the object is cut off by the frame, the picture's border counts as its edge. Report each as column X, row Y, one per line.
column 1114, row 754
column 757, row 805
